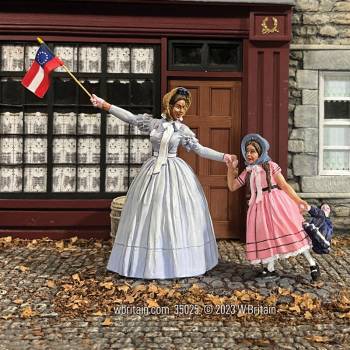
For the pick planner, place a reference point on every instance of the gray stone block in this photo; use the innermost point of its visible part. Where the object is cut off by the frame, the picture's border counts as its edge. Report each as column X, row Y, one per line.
column 306, row 116
column 310, row 97
column 307, row 5
column 297, row 134
column 304, row 165
column 311, row 140
column 327, row 59
column 325, row 184
column 296, row 146
column 307, row 79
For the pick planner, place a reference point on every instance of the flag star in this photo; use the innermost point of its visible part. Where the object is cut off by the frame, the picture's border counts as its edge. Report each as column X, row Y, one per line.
column 43, row 57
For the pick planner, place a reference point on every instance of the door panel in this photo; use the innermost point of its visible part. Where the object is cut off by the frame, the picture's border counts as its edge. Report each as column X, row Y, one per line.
column 215, row 117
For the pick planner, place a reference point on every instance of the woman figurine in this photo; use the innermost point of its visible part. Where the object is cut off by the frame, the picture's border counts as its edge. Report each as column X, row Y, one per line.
column 274, row 223
column 165, row 230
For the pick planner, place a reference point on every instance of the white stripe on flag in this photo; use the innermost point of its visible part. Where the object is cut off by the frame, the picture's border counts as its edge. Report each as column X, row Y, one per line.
column 39, row 76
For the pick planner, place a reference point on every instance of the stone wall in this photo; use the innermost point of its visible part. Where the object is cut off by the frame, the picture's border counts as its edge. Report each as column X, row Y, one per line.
column 321, row 42
column 321, row 22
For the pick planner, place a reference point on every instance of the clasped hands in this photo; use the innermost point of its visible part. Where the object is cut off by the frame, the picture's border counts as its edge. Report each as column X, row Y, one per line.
column 231, row 161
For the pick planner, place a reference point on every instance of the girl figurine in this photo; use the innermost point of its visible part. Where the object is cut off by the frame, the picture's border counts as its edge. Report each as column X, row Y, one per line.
column 274, row 222
column 165, row 230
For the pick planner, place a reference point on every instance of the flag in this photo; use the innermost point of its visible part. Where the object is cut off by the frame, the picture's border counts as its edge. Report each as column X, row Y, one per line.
column 37, row 79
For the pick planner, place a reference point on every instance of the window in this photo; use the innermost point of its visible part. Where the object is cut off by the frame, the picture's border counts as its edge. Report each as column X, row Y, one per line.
column 335, row 123
column 62, row 147
column 206, row 55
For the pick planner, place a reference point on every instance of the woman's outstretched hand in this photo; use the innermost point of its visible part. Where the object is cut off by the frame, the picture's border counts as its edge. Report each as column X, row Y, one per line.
column 97, row 101
column 231, row 160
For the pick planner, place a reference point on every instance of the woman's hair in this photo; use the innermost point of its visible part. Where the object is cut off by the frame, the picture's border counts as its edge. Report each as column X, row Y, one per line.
column 173, row 96
column 264, row 165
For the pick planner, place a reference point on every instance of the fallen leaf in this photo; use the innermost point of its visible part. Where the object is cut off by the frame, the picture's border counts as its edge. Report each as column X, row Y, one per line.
column 124, row 288
column 18, row 301
column 107, row 322
column 107, row 285
column 318, row 338
column 51, row 284
column 7, row 239
column 60, row 245
column 22, row 268
column 74, row 239
column 152, row 288
column 152, row 303
column 98, row 313
column 76, row 277
column 27, row 312
column 129, row 299
column 308, row 315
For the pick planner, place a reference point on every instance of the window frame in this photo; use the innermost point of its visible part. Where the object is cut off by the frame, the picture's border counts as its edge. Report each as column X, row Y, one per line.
column 336, row 122
column 50, row 105
column 204, row 65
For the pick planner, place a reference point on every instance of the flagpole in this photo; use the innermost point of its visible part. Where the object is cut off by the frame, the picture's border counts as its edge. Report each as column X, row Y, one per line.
column 41, row 41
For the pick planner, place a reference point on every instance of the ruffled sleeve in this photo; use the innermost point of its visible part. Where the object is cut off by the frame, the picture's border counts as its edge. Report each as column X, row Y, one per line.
column 145, row 122
column 189, row 140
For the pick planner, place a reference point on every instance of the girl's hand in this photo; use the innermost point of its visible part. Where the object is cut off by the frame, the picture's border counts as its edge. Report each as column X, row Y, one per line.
column 303, row 206
column 231, row 160
column 97, row 101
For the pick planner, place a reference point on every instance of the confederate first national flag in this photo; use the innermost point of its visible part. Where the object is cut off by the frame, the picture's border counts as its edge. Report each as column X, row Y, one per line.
column 37, row 79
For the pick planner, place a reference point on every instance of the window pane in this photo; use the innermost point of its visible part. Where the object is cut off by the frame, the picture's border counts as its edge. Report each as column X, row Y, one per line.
column 142, row 60
column 88, row 179
column 10, row 179
column 30, row 55
column 337, row 109
column 89, row 151
column 142, row 92
column 64, row 123
column 222, row 55
column 117, row 151
column 35, row 179
column 12, row 58
column 65, row 91
column 11, row 150
column 117, row 179
column 11, row 123
column 90, row 59
column 89, row 124
column 187, row 54
column 63, row 179
column 35, row 123
column 336, row 160
column 118, row 60
column 118, row 92
column 64, row 150
column 92, row 86
column 11, row 91
column 35, row 150
column 336, row 135
column 336, row 87
column 69, row 55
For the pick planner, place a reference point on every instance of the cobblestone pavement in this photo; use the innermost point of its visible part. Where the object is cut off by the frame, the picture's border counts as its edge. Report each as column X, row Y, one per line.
column 29, row 318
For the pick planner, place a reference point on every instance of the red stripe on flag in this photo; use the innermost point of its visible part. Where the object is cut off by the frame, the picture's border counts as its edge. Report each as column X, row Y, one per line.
column 33, row 70
column 44, row 86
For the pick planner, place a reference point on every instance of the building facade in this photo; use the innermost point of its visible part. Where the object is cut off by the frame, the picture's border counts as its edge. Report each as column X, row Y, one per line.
column 62, row 161
column 319, row 105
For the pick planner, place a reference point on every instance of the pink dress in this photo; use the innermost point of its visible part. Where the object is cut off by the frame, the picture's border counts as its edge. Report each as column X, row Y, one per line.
column 274, row 224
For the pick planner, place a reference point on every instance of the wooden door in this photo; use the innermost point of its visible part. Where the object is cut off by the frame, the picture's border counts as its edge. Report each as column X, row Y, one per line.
column 215, row 117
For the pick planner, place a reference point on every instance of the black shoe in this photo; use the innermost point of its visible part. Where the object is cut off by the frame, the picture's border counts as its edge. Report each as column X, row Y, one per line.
column 315, row 272
column 265, row 273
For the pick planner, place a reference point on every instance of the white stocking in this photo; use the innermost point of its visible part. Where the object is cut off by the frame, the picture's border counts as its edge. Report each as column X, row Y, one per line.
column 271, row 266
column 309, row 258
